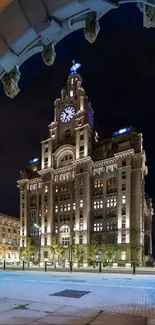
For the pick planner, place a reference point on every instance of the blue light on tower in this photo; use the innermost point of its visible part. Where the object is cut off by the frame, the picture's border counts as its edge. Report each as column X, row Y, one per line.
column 122, row 131
column 32, row 161
column 75, row 67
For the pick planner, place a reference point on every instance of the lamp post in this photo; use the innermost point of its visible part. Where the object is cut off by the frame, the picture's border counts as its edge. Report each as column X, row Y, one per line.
column 39, row 241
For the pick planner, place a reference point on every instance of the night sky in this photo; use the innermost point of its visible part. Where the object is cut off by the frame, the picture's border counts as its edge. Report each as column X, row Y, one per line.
column 118, row 73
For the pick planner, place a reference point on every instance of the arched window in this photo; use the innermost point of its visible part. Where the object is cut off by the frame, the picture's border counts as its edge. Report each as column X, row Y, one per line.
column 98, row 183
column 66, row 160
column 111, row 185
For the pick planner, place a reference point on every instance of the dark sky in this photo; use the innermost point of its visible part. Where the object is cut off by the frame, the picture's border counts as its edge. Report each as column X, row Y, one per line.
column 118, row 73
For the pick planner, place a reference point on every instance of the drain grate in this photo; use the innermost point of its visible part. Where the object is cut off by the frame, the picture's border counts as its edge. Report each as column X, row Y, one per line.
column 70, row 293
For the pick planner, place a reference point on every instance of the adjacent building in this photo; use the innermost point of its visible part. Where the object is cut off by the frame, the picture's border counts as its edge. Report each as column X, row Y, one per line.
column 84, row 189
column 9, row 239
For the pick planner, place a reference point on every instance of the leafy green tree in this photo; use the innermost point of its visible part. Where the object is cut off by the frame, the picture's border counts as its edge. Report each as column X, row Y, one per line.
column 27, row 251
column 3, row 249
column 110, row 255
column 78, row 254
column 57, row 248
column 93, row 249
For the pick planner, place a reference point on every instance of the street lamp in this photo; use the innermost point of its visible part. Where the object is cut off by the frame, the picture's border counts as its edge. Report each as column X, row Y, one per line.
column 39, row 241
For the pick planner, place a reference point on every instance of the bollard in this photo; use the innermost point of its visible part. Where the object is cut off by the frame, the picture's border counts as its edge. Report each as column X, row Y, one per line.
column 4, row 265
column 23, row 266
column 70, row 267
column 100, row 268
column 134, row 268
column 45, row 266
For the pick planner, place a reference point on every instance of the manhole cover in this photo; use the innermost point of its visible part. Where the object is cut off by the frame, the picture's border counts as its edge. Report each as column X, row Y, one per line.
column 70, row 293
column 70, row 280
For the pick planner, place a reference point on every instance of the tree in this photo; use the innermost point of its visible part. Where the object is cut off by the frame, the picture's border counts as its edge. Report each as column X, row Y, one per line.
column 3, row 249
column 78, row 254
column 93, row 249
column 110, row 255
column 57, row 248
column 27, row 251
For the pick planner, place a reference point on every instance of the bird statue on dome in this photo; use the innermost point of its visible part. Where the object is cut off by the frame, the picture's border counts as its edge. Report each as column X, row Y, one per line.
column 74, row 67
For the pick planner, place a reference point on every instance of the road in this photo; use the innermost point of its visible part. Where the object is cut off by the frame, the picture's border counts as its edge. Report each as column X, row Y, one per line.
column 127, row 294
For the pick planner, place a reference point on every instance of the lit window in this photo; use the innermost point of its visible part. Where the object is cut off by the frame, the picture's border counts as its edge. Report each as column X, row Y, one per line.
column 81, row 203
column 56, row 208
column 46, row 189
column 71, row 93
column 56, row 189
column 123, row 199
column 74, row 228
column 99, row 183
column 123, row 223
column 123, row 256
column 65, row 207
column 123, row 238
column 56, row 229
column 81, row 226
column 98, row 226
column 61, row 208
column 111, row 202
column 74, row 206
column 69, row 206
column 98, row 204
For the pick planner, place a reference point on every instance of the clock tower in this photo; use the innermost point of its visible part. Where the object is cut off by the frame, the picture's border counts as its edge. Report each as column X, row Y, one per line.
column 73, row 119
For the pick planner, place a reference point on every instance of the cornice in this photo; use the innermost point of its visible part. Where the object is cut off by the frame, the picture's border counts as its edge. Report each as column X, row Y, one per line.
column 125, row 153
column 23, row 181
column 105, row 162
column 46, row 171
column 84, row 160
column 140, row 155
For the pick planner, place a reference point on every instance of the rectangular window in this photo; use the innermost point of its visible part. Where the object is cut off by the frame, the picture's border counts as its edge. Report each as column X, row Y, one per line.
column 65, row 241
column 123, row 175
column 123, row 223
column 46, row 254
column 123, row 238
column 56, row 208
column 123, row 211
column 69, row 206
column 81, row 203
column 123, row 199
column 123, row 187
column 111, row 202
column 45, row 229
column 98, row 227
column 74, row 206
column 81, row 148
column 81, row 226
column 46, row 189
column 123, row 256
column 56, row 189
column 45, row 241
column 81, row 136
column 98, row 204
column 80, row 240
column 123, row 162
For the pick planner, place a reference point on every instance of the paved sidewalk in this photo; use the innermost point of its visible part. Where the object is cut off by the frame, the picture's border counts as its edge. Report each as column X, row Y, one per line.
column 22, row 312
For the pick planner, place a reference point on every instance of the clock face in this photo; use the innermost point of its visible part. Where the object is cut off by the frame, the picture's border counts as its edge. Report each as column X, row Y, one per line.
column 67, row 114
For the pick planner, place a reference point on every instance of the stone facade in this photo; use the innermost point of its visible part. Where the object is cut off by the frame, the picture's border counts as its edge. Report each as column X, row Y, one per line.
column 84, row 189
column 9, row 238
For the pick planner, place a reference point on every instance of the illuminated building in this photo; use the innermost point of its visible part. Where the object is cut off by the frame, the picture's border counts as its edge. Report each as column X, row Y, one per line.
column 9, row 238
column 83, row 189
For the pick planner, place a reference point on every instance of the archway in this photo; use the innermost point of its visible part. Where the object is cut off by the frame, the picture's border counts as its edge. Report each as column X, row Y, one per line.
column 42, row 24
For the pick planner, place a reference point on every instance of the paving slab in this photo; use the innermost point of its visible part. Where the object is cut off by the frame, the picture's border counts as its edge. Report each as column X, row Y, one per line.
column 20, row 317
column 76, row 312
column 49, row 308
column 110, row 319
column 63, row 320
column 9, row 304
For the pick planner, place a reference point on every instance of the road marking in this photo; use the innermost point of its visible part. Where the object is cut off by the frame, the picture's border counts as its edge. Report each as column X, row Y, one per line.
column 83, row 284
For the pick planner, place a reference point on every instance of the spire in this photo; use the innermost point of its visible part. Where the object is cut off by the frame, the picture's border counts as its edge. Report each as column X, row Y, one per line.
column 75, row 67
